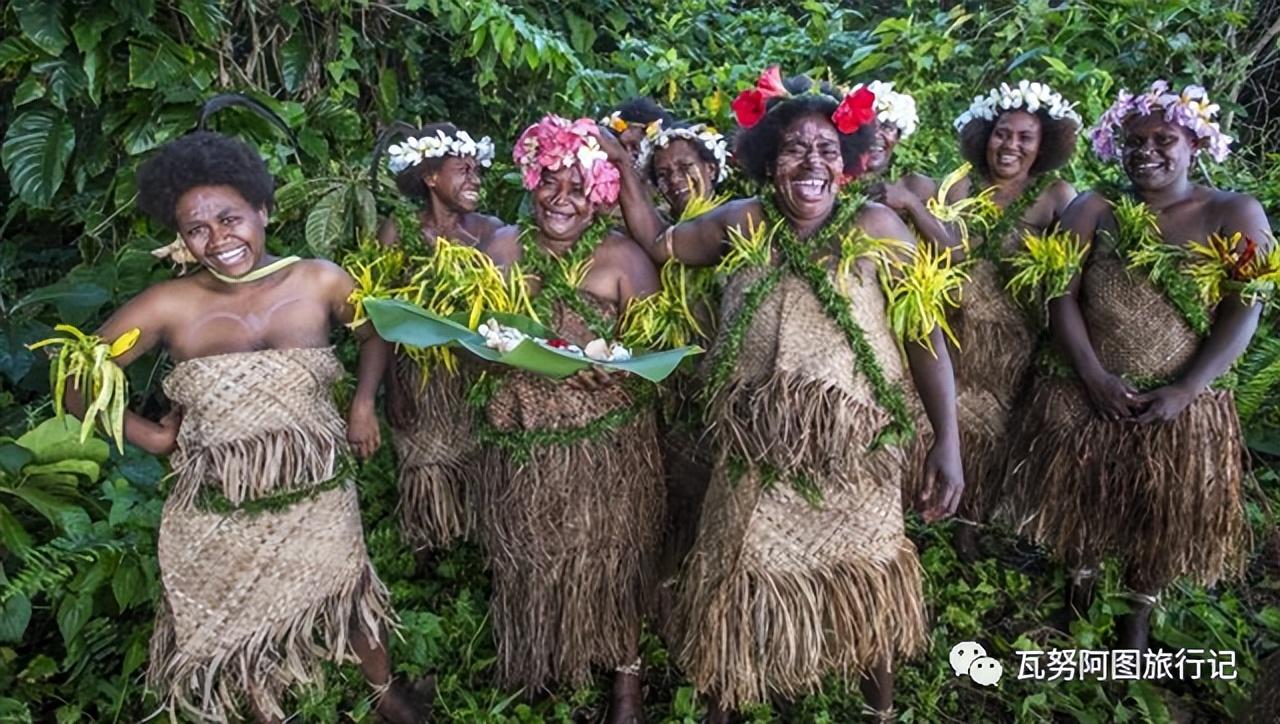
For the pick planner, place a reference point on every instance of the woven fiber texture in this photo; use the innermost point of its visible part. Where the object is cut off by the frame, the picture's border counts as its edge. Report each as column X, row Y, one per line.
column 255, row 424
column 572, row 532
column 254, row 601
column 996, row 343
column 1171, row 491
column 777, row 591
column 436, row 455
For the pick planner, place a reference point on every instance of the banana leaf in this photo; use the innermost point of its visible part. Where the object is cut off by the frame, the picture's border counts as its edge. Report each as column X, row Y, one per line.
column 408, row 324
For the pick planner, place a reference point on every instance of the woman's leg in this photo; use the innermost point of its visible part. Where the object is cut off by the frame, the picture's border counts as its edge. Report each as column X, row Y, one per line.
column 395, row 704
column 626, row 701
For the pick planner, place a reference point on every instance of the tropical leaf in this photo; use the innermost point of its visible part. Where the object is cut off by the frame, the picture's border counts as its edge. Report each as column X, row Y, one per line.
column 36, row 149
column 41, row 21
column 327, row 222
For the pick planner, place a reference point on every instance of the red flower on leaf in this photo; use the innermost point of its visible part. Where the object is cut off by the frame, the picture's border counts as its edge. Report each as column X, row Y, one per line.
column 855, row 110
column 558, row 343
column 770, row 83
column 1241, row 269
column 748, row 107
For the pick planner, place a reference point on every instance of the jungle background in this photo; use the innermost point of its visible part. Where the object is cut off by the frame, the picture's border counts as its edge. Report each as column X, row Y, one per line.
column 88, row 89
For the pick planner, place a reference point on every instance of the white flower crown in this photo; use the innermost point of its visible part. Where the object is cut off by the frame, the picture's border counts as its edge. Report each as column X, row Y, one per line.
column 1028, row 96
column 414, row 150
column 893, row 107
column 699, row 133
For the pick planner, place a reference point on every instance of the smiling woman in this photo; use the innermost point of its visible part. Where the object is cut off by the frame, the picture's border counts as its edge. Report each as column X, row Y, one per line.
column 439, row 167
column 801, row 567
column 262, row 560
column 1145, row 425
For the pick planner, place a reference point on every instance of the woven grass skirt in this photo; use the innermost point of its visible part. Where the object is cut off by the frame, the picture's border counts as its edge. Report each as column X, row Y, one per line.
column 436, row 456
column 1164, row 498
column 780, row 589
column 262, row 558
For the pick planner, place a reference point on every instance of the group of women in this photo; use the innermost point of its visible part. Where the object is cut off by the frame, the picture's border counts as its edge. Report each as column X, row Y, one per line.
column 763, row 535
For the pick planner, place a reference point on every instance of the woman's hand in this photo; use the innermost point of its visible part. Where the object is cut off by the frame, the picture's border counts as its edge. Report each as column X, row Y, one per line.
column 592, row 379
column 1163, row 403
column 362, row 429
column 943, row 483
column 894, row 195
column 1112, row 398
column 613, row 148
column 164, row 439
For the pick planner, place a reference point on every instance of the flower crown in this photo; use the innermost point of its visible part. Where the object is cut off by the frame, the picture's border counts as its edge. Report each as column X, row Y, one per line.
column 700, row 134
column 554, row 143
column 1191, row 110
column 1027, row 96
column 751, row 105
column 893, row 107
column 414, row 150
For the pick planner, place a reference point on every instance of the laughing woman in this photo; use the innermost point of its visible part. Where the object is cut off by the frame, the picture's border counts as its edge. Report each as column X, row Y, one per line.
column 263, row 567
column 906, row 193
column 801, row 567
column 439, row 167
column 1015, row 138
column 571, row 503
column 1138, row 454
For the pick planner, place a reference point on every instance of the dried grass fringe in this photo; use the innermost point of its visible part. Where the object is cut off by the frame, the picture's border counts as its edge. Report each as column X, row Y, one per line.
column 433, row 509
column 297, row 458
column 573, row 539
column 799, row 426
column 273, row 660
column 748, row 634
column 1164, row 498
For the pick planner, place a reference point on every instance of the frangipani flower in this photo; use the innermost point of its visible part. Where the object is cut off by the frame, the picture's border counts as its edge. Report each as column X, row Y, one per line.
column 1190, row 109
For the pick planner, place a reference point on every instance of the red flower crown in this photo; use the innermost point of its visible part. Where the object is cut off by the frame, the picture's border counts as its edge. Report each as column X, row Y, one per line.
column 856, row 110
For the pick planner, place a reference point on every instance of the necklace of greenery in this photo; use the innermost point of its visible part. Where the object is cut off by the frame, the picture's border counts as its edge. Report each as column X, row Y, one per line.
column 1138, row 241
column 561, row 276
column 998, row 229
column 520, row 445
column 796, row 257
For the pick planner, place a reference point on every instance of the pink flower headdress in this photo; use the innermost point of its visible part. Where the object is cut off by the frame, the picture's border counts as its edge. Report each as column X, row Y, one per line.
column 554, row 143
column 1191, row 109
column 751, row 105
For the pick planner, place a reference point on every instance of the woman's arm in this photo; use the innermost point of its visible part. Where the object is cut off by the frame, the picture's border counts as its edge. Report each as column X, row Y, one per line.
column 935, row 383
column 1232, row 329
column 375, row 355
column 644, row 223
column 1111, row 396
column 909, row 197
column 147, row 313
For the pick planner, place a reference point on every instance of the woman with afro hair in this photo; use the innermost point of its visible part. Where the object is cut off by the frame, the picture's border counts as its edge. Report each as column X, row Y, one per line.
column 1014, row 138
column 263, row 568
column 439, row 168
column 801, row 567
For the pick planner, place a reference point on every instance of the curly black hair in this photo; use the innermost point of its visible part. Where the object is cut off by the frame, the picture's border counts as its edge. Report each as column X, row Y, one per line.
column 202, row 158
column 643, row 109
column 1057, row 143
column 703, row 152
column 756, row 148
column 411, row 181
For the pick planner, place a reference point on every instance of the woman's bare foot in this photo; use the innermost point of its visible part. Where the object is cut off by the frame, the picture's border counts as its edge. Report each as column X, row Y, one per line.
column 1133, row 629
column 965, row 540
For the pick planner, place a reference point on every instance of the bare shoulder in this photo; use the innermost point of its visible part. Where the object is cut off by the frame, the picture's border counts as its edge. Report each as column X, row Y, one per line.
column 962, row 189
column 504, row 245
column 1232, row 212
column 739, row 211
column 880, row 220
column 1233, row 202
column 620, row 247
column 1061, row 192
column 919, row 185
